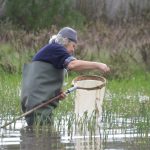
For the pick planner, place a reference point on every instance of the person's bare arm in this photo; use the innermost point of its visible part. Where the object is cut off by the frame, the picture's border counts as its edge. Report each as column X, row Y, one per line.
column 79, row 65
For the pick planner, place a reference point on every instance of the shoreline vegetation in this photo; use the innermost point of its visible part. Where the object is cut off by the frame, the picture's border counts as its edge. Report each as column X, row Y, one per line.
column 125, row 47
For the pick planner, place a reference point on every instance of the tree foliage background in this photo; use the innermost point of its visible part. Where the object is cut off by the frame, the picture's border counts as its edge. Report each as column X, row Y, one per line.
column 37, row 14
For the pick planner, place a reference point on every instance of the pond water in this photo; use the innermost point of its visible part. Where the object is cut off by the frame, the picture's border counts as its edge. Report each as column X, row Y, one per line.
column 106, row 137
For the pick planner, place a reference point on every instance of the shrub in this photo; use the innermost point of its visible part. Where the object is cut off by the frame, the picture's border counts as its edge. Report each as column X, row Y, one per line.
column 37, row 14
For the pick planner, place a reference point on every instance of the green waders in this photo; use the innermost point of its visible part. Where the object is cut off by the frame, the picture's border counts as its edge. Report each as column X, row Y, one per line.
column 41, row 82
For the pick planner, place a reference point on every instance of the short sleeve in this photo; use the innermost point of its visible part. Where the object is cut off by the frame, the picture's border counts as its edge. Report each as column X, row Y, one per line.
column 68, row 60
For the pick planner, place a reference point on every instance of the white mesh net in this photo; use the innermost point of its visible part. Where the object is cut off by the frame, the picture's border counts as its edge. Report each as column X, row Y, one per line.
column 89, row 101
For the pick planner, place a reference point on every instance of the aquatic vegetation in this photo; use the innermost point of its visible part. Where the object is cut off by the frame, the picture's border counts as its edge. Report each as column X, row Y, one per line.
column 126, row 108
column 9, row 96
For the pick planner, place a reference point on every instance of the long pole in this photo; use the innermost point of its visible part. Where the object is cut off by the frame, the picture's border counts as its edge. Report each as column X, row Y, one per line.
column 39, row 106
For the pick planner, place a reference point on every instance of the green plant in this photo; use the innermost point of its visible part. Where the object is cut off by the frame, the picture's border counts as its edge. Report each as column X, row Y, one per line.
column 37, row 14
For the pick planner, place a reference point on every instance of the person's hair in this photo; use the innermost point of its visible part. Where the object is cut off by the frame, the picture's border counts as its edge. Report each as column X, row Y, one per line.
column 59, row 39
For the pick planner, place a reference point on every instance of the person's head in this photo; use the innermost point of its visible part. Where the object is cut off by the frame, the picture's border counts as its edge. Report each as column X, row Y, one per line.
column 66, row 37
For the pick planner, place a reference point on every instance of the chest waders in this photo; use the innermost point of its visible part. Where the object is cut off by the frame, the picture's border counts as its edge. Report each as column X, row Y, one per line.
column 41, row 82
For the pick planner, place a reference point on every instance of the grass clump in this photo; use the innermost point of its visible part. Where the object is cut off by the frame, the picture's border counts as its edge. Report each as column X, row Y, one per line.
column 9, row 96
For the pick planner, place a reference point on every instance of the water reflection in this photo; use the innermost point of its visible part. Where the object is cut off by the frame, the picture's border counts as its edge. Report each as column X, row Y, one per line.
column 10, row 140
column 41, row 140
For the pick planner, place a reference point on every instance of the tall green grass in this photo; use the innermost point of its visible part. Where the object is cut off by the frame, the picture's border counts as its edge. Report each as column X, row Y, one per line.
column 9, row 96
column 128, row 99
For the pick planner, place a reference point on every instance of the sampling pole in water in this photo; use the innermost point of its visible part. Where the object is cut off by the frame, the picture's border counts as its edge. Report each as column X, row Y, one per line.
column 39, row 106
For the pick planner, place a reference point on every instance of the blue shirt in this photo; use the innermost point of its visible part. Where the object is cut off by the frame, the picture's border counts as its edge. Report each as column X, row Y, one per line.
column 54, row 54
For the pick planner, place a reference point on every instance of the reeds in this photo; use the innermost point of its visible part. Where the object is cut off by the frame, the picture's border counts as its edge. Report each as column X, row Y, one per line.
column 9, row 96
column 126, row 107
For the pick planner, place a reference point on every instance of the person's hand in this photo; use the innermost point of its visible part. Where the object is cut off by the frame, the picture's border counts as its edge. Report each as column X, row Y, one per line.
column 104, row 68
column 62, row 95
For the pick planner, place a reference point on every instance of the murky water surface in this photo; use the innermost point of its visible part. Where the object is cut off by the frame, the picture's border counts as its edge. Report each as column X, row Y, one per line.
column 106, row 137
